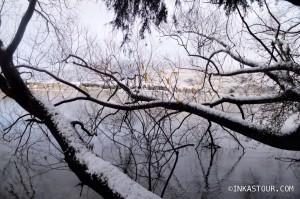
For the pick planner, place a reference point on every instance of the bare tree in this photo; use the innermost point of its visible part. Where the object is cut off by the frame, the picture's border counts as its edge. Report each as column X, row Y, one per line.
column 262, row 52
column 91, row 169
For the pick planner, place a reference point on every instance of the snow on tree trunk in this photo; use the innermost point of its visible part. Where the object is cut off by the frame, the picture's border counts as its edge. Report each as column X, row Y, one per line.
column 81, row 159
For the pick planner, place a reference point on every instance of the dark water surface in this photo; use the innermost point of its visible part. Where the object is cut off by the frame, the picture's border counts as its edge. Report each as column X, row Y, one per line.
column 200, row 173
column 212, row 175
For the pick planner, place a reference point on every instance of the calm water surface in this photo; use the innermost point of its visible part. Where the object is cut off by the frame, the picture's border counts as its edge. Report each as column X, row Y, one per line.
column 200, row 173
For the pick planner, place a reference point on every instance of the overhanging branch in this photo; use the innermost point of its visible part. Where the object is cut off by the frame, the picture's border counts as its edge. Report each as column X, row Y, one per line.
column 21, row 30
column 246, row 128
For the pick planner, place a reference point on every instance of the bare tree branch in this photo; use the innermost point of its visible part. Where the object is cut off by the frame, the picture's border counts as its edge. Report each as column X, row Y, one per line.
column 21, row 29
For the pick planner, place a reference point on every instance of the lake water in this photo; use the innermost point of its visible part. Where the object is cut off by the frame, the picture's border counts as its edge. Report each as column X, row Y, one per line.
column 200, row 173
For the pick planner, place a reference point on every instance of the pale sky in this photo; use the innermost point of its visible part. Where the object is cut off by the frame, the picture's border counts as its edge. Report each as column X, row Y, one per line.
column 97, row 17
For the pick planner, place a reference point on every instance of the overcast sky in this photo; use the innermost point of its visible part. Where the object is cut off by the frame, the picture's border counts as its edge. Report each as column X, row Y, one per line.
column 97, row 17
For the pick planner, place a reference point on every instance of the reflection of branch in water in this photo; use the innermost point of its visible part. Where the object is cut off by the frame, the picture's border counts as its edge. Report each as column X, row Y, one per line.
column 29, row 190
column 179, row 190
column 226, row 176
column 12, row 191
column 292, row 161
column 234, row 137
column 212, row 155
column 171, row 173
column 206, row 173
column 211, row 144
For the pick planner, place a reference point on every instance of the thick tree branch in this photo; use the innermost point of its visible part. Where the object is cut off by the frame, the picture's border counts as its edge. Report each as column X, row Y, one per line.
column 290, row 66
column 21, row 30
column 248, row 129
column 4, row 85
column 241, row 100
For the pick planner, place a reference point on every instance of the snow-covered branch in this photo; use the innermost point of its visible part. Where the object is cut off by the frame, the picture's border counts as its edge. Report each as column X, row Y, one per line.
column 234, row 123
column 289, row 66
column 102, row 176
column 241, row 100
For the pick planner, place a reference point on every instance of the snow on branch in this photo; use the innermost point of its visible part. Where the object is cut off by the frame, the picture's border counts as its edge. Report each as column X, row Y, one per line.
column 120, row 184
column 250, row 100
column 288, row 66
column 286, row 140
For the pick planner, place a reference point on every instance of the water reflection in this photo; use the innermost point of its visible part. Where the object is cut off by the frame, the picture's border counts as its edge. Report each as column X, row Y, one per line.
column 209, row 173
column 33, row 167
column 201, row 173
column 19, row 182
column 37, row 170
column 21, row 179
